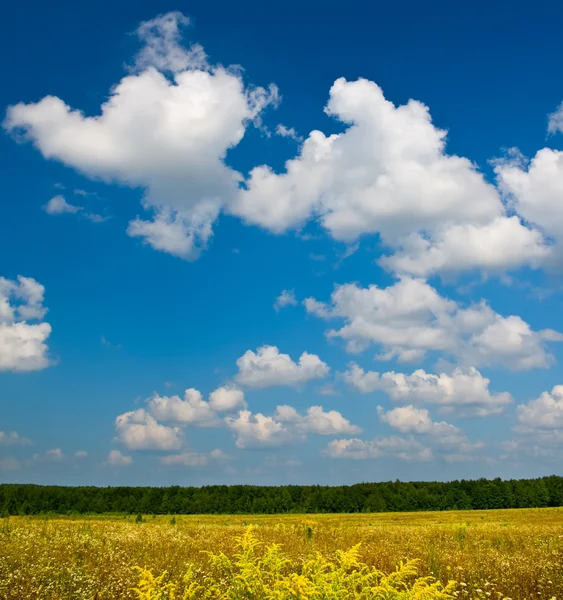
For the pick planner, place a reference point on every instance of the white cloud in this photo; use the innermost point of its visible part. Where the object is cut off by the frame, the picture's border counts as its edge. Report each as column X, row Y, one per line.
column 227, row 399
column 23, row 345
column 267, row 367
column 388, row 174
column 137, row 430
column 465, row 391
column 543, row 413
column 408, row 419
column 288, row 132
column 286, row 298
column 316, row 420
column 162, row 45
column 555, row 120
column 58, row 206
column 502, row 244
column 393, row 447
column 286, row 425
column 446, row 437
column 13, row 438
column 257, row 430
column 534, row 188
column 192, row 409
column 166, row 135
column 410, row 318
column 53, row 455
column 80, row 454
column 117, row 459
column 193, row 459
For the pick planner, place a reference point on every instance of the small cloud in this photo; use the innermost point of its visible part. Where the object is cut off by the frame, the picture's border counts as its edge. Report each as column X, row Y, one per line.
column 13, row 438
column 117, row 459
column 168, row 384
column 236, row 251
column 54, row 455
column 95, row 218
column 105, row 342
column 286, row 298
column 317, row 257
column 328, row 390
column 59, row 206
column 80, row 454
column 346, row 254
column 84, row 193
column 288, row 132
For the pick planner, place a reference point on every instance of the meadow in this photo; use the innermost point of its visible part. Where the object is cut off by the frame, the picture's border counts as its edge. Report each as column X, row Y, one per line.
column 497, row 554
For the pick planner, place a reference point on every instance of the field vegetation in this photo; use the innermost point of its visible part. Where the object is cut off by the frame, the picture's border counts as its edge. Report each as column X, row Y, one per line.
column 496, row 555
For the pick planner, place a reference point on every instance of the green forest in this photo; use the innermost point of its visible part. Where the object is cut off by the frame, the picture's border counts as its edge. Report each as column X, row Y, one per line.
column 392, row 496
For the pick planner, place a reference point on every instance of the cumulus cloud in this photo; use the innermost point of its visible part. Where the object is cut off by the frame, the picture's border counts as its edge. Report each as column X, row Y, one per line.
column 286, row 298
column 285, row 426
column 384, row 447
column 316, row 420
column 445, row 436
column 267, row 367
column 388, row 173
column 58, row 206
column 23, row 344
column 543, row 413
column 410, row 318
column 227, row 399
column 138, row 430
column 192, row 409
column 117, row 459
column 165, row 128
column 465, row 392
column 257, row 430
column 13, row 438
column 534, row 188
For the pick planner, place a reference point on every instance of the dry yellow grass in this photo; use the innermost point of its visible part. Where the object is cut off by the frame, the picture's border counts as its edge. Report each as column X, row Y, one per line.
column 515, row 554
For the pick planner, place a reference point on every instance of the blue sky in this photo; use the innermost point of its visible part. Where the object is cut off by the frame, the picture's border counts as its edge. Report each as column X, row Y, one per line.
column 280, row 244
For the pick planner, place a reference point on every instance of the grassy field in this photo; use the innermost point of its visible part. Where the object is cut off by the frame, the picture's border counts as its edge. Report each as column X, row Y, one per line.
column 515, row 554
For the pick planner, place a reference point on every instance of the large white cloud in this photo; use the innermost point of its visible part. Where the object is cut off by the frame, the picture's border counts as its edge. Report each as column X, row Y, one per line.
column 464, row 391
column 191, row 409
column 388, row 173
column 267, row 367
column 227, row 399
column 23, row 344
column 137, row 430
column 535, row 189
column 286, row 425
column 444, row 436
column 410, row 318
column 543, row 413
column 165, row 128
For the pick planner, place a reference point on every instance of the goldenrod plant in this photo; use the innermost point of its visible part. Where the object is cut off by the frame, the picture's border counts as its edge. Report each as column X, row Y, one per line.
column 256, row 574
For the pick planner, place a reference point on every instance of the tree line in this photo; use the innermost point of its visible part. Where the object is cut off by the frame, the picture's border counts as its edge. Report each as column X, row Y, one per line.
column 392, row 496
